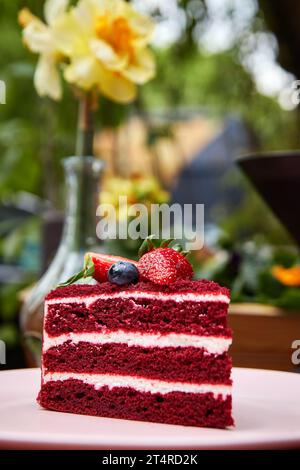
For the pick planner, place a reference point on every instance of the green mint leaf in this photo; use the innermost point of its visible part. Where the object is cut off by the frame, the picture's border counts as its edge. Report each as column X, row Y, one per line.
column 73, row 279
column 87, row 271
column 89, row 267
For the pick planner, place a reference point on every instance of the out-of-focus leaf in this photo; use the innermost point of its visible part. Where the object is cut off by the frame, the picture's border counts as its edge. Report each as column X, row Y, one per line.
column 284, row 257
column 269, row 287
column 9, row 301
column 21, row 69
column 290, row 299
column 9, row 334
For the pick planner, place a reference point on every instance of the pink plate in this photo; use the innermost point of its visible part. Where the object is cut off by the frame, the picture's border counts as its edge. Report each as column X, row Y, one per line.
column 266, row 410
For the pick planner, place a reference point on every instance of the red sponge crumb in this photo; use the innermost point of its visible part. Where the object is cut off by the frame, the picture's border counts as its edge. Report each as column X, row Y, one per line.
column 180, row 287
column 187, row 409
column 174, row 364
column 144, row 315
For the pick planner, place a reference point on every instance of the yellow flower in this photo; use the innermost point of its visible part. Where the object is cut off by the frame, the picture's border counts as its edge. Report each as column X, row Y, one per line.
column 39, row 38
column 106, row 43
column 137, row 189
column 287, row 276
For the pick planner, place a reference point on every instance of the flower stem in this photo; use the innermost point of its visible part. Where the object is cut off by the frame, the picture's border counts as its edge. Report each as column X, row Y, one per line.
column 85, row 129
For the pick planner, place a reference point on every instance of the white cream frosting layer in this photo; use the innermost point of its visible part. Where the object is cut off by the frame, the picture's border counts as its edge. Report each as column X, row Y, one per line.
column 188, row 297
column 211, row 344
column 140, row 384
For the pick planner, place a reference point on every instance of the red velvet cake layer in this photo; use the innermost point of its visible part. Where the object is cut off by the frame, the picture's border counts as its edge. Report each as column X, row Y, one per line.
column 180, row 287
column 144, row 315
column 187, row 364
column 187, row 409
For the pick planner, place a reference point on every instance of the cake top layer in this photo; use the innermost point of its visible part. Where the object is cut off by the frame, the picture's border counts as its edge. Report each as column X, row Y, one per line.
column 83, row 290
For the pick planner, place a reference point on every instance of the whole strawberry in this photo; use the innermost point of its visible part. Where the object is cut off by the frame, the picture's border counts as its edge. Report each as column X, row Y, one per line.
column 164, row 265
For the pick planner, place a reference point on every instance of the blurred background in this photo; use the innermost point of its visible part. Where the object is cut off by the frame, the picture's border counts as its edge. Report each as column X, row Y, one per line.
column 224, row 88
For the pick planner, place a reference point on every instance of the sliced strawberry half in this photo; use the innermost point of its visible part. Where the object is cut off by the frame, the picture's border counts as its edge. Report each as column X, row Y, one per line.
column 102, row 263
column 97, row 266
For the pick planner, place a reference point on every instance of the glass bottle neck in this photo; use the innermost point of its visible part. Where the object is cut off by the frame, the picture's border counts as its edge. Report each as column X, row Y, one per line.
column 82, row 199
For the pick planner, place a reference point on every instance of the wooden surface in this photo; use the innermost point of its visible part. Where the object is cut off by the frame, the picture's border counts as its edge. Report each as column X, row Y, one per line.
column 262, row 336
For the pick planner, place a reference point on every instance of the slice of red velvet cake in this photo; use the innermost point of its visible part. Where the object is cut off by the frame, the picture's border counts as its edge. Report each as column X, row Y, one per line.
column 141, row 351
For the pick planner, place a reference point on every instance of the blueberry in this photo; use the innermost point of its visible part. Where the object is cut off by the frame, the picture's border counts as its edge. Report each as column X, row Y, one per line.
column 122, row 273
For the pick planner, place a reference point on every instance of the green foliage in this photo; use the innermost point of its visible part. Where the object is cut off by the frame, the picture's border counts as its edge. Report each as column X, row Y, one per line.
column 12, row 245
column 252, row 219
column 220, row 85
column 9, row 334
column 290, row 299
column 34, row 133
column 9, row 300
column 245, row 268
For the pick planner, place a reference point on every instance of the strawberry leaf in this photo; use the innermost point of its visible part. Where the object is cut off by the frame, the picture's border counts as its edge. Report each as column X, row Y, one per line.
column 166, row 243
column 177, row 247
column 146, row 246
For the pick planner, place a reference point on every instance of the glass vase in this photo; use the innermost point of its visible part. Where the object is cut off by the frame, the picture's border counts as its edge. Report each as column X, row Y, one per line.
column 79, row 236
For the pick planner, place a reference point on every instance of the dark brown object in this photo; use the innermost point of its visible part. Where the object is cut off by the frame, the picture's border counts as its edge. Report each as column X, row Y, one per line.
column 282, row 18
column 276, row 176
